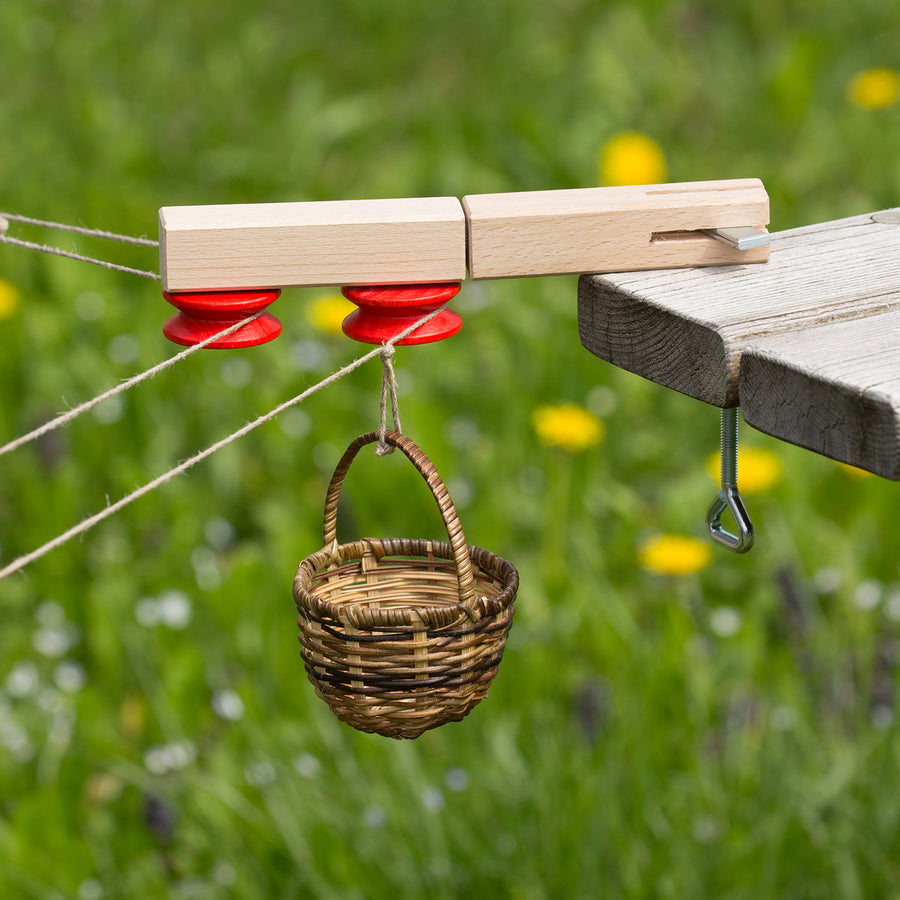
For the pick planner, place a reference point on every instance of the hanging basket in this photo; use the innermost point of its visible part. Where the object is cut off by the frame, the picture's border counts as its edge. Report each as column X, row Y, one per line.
column 399, row 635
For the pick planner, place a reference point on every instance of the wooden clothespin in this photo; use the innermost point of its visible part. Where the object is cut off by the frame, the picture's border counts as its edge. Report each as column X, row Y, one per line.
column 617, row 229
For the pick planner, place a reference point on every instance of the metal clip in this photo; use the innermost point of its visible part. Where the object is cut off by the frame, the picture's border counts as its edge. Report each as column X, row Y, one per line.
column 742, row 238
column 729, row 497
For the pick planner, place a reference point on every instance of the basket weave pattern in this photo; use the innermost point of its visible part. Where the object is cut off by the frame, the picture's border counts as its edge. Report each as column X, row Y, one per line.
column 402, row 635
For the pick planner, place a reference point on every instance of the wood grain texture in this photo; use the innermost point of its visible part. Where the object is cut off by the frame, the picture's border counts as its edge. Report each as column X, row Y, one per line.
column 611, row 229
column 341, row 242
column 687, row 329
column 833, row 389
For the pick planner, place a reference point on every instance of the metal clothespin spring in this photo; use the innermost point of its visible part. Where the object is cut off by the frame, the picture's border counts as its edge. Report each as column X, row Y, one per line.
column 728, row 497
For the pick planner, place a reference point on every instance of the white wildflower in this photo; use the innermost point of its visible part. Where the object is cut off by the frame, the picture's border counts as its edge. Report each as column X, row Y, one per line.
column 175, row 610
column 725, row 621
column 433, row 799
column 868, row 594
column 22, row 679
column 307, row 765
column 146, row 611
column 456, row 779
column 260, row 773
column 227, row 704
column 374, row 817
column 70, row 676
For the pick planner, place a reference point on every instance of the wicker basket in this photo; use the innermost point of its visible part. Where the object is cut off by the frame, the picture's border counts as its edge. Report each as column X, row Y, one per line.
column 399, row 636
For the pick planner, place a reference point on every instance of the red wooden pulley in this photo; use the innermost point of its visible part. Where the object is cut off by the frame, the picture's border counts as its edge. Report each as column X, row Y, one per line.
column 201, row 315
column 387, row 310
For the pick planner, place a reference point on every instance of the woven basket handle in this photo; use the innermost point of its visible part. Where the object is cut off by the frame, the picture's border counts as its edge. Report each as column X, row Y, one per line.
column 428, row 471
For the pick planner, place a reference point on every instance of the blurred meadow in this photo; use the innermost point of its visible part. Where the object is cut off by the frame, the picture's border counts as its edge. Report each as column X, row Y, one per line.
column 670, row 720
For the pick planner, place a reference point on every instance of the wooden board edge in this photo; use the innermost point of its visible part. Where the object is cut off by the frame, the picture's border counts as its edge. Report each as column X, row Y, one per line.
column 674, row 351
column 834, row 419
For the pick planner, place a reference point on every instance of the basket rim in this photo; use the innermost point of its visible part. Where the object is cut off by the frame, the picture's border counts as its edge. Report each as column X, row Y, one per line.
column 335, row 557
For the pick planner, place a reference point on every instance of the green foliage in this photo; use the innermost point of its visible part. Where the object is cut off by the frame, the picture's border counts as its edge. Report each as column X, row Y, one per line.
column 725, row 734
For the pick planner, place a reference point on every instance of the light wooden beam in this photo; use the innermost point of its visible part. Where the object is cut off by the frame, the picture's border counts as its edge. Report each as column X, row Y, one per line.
column 612, row 229
column 341, row 242
column 350, row 242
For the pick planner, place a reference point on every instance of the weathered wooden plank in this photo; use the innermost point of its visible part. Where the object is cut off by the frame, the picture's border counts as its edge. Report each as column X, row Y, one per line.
column 833, row 389
column 686, row 329
column 611, row 229
column 340, row 242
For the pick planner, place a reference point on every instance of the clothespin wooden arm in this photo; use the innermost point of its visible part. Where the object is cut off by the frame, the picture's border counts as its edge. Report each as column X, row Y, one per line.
column 613, row 229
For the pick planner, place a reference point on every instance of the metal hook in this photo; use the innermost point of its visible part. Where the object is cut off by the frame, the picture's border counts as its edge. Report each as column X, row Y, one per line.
column 729, row 497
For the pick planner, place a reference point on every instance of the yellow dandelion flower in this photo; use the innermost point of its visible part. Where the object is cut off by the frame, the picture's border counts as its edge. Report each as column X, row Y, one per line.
column 328, row 311
column 569, row 426
column 874, row 88
column 674, row 554
column 854, row 472
column 758, row 469
column 101, row 788
column 10, row 299
column 133, row 715
column 631, row 158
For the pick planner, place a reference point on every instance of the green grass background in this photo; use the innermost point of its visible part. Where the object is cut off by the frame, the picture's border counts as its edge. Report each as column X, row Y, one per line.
column 628, row 748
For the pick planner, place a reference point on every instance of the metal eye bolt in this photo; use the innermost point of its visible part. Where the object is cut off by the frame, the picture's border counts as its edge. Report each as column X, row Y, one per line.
column 729, row 497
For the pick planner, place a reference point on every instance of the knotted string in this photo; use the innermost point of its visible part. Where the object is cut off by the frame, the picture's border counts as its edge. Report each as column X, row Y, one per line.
column 388, row 388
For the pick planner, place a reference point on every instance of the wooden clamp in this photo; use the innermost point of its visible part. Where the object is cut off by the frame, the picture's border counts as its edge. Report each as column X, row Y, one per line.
column 436, row 239
column 615, row 229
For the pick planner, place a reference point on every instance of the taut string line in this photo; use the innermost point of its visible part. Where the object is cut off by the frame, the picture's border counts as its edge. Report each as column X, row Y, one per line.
column 91, row 521
column 79, row 229
column 67, row 417
column 5, row 218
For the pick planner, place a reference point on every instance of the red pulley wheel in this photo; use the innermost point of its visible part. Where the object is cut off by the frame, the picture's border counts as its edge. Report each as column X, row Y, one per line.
column 201, row 315
column 387, row 310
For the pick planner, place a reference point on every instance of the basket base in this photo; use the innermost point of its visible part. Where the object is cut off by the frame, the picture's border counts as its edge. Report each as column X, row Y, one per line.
column 385, row 722
column 402, row 717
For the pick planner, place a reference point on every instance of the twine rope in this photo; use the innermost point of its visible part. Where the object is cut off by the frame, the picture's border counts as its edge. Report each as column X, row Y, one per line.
column 6, row 218
column 79, row 229
column 88, row 523
column 388, row 389
column 56, row 251
column 129, row 383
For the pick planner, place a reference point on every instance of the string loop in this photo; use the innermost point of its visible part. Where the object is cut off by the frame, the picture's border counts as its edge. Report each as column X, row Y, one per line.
column 388, row 389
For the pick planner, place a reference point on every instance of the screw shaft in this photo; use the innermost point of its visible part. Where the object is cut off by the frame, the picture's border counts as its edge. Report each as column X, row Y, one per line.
column 730, row 446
